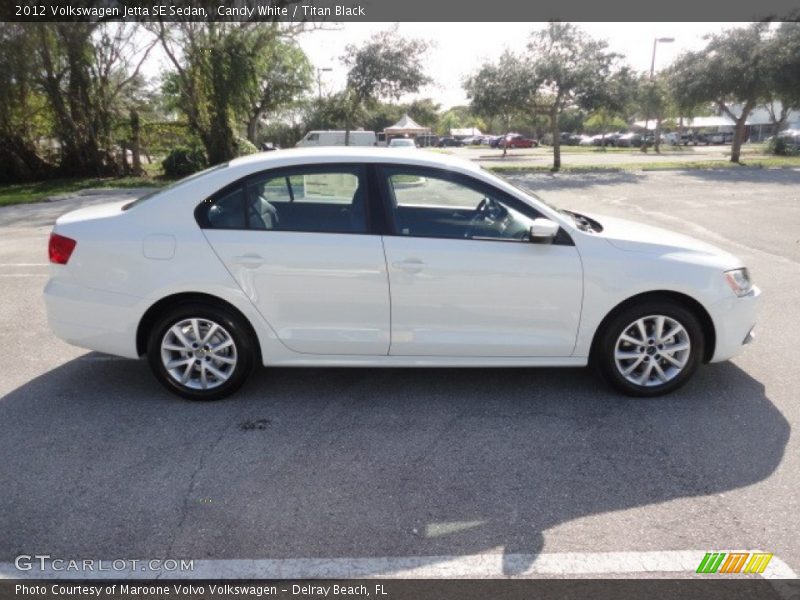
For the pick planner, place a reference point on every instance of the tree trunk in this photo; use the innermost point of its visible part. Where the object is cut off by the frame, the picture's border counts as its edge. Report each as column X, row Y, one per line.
column 19, row 161
column 657, row 136
column 219, row 140
column 123, row 146
column 252, row 128
column 738, row 135
column 739, row 129
column 556, row 140
column 507, row 124
column 136, row 157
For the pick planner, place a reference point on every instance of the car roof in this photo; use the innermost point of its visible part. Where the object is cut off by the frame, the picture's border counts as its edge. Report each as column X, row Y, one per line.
column 333, row 154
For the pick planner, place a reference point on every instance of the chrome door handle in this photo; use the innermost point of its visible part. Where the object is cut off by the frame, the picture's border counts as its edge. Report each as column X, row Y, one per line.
column 249, row 261
column 410, row 265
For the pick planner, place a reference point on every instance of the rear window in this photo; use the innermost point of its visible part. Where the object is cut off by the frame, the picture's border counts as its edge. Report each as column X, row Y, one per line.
column 172, row 186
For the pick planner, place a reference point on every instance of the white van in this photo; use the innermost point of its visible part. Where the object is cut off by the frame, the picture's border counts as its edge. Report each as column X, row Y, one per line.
column 336, row 138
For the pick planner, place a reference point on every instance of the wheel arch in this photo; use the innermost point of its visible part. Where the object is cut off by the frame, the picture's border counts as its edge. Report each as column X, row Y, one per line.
column 706, row 323
column 152, row 314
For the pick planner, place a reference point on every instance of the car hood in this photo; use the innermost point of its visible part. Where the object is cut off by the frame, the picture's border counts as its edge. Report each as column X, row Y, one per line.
column 631, row 236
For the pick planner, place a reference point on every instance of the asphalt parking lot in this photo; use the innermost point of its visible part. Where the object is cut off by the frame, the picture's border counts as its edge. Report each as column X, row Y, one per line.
column 383, row 468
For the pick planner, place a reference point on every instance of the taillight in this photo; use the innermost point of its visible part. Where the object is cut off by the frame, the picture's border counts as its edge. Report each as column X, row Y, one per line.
column 60, row 248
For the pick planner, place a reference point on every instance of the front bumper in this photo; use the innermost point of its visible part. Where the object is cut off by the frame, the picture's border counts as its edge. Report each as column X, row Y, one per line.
column 734, row 322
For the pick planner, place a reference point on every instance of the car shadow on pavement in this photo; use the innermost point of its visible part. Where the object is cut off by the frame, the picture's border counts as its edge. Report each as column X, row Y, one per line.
column 564, row 181
column 99, row 462
column 785, row 176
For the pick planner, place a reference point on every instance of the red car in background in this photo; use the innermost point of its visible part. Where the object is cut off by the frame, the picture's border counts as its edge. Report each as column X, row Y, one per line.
column 515, row 140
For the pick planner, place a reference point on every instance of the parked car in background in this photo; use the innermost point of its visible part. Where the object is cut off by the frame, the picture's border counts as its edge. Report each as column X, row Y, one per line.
column 721, row 137
column 402, row 143
column 515, row 140
column 609, row 139
column 629, row 140
column 570, row 139
column 671, row 139
column 426, row 140
column 338, row 138
column 494, row 141
column 693, row 138
column 449, row 141
column 586, row 140
column 273, row 259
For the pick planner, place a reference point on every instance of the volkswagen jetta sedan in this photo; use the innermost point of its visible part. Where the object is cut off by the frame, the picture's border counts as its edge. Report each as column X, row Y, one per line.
column 363, row 258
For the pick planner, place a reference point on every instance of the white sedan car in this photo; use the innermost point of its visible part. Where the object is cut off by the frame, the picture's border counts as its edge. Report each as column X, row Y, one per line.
column 402, row 143
column 356, row 257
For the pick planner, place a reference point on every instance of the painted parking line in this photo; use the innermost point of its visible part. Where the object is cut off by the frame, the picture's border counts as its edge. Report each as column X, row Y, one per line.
column 478, row 566
column 33, row 266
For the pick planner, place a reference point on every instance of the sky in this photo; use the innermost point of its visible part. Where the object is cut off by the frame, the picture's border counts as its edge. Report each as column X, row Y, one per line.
column 460, row 48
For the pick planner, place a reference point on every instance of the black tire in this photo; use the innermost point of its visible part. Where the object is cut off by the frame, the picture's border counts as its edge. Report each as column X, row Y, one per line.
column 603, row 354
column 243, row 351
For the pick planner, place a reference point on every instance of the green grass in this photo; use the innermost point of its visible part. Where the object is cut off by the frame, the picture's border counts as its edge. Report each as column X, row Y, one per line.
column 23, row 193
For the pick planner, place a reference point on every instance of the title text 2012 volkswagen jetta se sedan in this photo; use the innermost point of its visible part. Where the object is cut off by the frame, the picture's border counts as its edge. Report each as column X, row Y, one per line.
column 365, row 257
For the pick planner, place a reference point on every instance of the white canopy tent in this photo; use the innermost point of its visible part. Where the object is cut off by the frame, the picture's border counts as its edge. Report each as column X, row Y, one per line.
column 406, row 126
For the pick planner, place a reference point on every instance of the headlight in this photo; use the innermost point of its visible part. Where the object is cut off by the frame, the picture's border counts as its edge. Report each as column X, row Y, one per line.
column 739, row 281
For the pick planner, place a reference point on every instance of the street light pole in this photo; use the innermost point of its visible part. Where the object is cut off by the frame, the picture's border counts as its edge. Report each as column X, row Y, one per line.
column 319, row 79
column 663, row 40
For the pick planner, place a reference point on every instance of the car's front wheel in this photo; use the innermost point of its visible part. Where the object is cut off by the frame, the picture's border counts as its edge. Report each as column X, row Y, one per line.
column 200, row 352
column 650, row 349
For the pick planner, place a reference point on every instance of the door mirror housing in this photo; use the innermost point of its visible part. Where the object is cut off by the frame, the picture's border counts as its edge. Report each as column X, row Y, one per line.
column 543, row 231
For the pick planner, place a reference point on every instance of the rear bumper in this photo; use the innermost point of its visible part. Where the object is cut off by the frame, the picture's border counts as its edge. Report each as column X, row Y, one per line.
column 92, row 319
column 734, row 322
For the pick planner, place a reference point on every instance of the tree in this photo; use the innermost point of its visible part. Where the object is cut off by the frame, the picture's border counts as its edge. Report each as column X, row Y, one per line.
column 655, row 102
column 732, row 72
column 501, row 90
column 385, row 67
column 282, row 75
column 24, row 114
column 784, row 71
column 424, row 111
column 218, row 76
column 84, row 70
column 569, row 68
column 613, row 101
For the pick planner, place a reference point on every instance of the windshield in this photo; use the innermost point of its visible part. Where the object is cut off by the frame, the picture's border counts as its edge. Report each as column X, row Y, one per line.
column 582, row 222
column 172, row 186
column 525, row 190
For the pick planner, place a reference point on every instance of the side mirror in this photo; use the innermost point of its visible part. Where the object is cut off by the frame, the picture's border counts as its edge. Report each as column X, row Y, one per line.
column 543, row 231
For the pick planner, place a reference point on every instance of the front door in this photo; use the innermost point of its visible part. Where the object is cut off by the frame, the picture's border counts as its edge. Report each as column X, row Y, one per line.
column 466, row 280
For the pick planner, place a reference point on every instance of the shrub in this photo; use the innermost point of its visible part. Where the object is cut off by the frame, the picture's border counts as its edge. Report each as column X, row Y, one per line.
column 782, row 145
column 183, row 160
column 244, row 147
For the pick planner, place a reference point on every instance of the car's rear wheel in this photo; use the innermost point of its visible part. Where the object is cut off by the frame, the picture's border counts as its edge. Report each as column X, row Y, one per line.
column 200, row 352
column 650, row 349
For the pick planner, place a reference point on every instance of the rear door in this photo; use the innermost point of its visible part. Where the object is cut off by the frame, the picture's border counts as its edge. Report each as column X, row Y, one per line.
column 299, row 243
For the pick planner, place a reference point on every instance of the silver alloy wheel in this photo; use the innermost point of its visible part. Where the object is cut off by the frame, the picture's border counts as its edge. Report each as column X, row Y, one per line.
column 198, row 353
column 652, row 350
